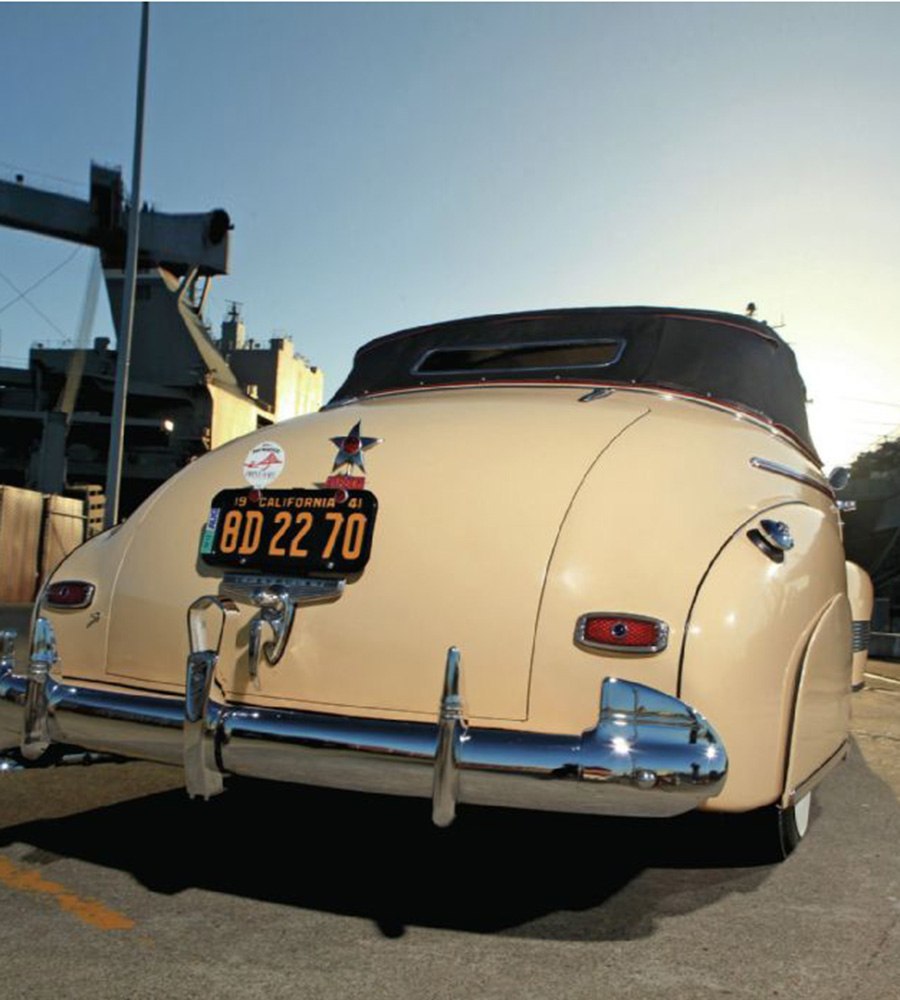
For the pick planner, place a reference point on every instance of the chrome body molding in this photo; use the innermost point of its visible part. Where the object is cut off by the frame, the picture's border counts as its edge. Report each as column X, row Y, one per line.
column 862, row 635
column 251, row 588
column 778, row 469
column 648, row 754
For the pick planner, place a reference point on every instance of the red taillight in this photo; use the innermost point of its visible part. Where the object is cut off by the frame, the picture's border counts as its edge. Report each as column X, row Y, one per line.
column 629, row 633
column 69, row 594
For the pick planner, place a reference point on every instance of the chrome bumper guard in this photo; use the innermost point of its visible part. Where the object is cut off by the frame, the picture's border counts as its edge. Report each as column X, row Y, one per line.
column 648, row 755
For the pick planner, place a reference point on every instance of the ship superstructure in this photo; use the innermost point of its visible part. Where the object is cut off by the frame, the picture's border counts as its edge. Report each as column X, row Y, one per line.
column 189, row 391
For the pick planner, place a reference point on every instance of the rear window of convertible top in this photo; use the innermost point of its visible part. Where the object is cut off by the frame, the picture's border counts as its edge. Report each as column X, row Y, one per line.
column 519, row 357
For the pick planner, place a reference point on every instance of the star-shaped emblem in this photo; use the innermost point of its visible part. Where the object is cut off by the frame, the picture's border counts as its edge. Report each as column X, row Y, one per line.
column 351, row 448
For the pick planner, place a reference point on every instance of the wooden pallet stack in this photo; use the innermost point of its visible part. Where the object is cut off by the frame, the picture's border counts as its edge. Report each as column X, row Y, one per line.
column 37, row 531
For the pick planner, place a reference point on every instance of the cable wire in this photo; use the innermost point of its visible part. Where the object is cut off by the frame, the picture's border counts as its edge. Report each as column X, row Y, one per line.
column 28, row 302
column 31, row 288
column 19, row 169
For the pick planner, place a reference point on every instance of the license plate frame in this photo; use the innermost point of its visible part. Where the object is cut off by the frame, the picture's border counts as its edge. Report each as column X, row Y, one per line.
column 292, row 532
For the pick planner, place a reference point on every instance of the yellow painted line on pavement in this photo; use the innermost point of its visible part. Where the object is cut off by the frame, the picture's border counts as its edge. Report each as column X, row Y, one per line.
column 88, row 911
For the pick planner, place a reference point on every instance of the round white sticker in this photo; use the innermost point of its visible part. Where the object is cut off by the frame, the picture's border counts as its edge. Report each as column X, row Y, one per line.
column 264, row 464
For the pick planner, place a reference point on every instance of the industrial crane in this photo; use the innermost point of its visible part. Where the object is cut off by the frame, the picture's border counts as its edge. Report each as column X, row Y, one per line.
column 178, row 254
column 179, row 243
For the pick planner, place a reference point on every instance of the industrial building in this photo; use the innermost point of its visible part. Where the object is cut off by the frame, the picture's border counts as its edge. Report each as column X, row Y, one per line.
column 187, row 394
column 189, row 391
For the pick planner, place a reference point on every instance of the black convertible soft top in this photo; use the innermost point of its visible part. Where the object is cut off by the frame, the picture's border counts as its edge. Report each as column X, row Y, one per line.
column 733, row 359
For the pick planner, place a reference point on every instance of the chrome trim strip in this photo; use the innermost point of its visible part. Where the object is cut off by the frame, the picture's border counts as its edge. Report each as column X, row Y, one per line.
column 248, row 588
column 648, row 755
column 799, row 477
column 662, row 633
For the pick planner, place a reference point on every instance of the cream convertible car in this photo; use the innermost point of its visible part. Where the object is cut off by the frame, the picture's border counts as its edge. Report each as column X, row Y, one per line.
column 578, row 560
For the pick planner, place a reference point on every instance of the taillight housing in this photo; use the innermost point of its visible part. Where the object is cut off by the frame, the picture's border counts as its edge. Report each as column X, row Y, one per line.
column 621, row 633
column 69, row 594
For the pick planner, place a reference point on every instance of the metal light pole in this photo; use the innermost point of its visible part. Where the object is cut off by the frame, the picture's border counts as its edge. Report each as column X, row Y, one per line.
column 126, row 323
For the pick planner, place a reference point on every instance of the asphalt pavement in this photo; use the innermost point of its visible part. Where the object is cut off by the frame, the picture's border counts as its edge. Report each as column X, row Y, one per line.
column 113, row 884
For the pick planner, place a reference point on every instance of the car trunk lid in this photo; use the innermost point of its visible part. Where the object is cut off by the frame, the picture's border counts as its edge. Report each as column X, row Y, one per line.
column 472, row 486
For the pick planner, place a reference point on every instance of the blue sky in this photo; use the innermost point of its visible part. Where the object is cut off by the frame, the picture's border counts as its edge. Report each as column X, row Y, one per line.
column 389, row 165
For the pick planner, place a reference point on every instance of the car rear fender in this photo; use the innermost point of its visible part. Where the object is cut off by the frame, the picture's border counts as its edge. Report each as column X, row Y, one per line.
column 756, row 661
column 821, row 716
column 640, row 535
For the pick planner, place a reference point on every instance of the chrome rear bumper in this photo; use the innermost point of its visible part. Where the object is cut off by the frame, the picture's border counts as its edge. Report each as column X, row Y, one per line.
column 648, row 755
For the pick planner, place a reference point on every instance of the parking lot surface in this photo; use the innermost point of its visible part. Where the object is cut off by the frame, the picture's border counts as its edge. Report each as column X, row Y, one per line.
column 114, row 884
